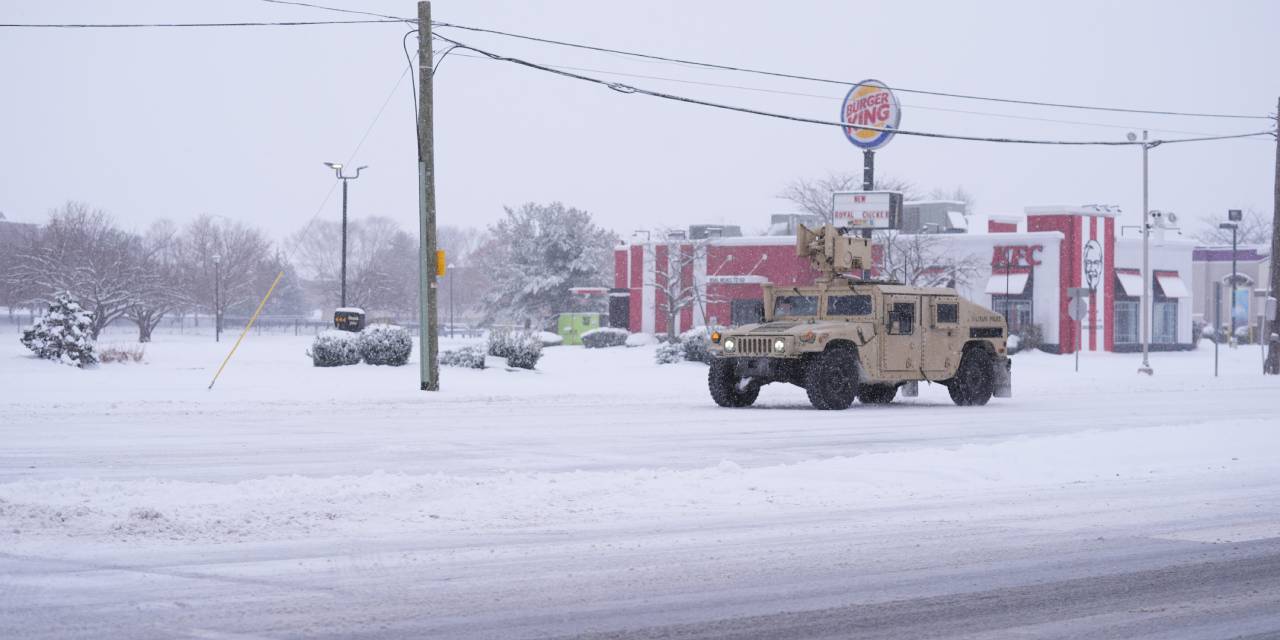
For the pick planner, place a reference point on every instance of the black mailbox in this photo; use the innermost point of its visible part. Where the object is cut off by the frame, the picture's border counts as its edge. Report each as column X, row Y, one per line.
column 349, row 319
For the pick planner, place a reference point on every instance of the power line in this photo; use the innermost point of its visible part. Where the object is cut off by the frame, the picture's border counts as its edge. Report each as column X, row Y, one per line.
column 353, row 11
column 791, row 76
column 628, row 89
column 150, row 25
column 828, row 98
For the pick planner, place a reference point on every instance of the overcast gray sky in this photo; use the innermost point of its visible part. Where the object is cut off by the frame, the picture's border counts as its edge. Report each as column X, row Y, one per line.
column 177, row 122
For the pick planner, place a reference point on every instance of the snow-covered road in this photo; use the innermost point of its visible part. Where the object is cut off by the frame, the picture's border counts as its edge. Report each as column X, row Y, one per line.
column 606, row 494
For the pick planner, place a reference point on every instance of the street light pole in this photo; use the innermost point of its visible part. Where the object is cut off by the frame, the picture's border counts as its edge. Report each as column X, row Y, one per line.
column 337, row 169
column 1231, row 304
column 217, row 298
column 1146, row 264
column 452, row 322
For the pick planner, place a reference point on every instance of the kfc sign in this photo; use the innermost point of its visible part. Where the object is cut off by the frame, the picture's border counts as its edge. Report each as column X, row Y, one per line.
column 1015, row 256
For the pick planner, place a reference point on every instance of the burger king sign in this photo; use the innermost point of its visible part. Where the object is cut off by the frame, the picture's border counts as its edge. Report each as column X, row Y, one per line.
column 871, row 104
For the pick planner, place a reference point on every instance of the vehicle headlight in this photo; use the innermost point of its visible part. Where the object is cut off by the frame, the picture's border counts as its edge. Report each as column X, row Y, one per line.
column 779, row 345
column 729, row 344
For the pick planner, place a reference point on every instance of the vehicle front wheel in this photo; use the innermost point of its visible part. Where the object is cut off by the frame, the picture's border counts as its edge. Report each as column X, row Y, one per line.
column 727, row 389
column 974, row 382
column 877, row 393
column 831, row 379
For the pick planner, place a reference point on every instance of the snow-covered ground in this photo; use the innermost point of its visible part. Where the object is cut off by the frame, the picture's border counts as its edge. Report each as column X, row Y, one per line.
column 599, row 492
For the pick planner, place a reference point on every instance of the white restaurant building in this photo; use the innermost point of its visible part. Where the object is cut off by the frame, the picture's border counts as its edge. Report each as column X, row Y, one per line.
column 1028, row 264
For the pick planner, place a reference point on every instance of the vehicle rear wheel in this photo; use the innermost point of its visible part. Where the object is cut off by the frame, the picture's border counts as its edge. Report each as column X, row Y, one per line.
column 974, row 382
column 877, row 393
column 831, row 379
column 727, row 389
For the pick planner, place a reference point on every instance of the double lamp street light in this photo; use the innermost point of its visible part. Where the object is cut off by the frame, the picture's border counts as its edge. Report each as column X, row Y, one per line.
column 337, row 170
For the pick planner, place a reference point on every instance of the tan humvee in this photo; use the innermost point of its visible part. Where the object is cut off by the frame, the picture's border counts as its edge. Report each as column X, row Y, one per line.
column 844, row 337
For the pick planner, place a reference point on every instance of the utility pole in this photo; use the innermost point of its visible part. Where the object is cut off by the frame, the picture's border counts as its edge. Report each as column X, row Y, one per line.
column 1272, row 365
column 428, row 346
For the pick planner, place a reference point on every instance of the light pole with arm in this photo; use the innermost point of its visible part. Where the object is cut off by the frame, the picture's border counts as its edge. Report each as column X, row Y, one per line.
column 452, row 323
column 337, row 170
column 1146, row 263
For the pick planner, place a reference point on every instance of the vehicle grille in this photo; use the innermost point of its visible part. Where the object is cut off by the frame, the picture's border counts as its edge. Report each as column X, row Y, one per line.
column 755, row 346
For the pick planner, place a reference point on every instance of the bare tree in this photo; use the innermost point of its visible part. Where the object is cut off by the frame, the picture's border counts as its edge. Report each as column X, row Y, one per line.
column 675, row 287
column 382, row 271
column 82, row 252
column 921, row 259
column 814, row 196
column 957, row 194
column 1253, row 229
column 159, row 289
column 245, row 255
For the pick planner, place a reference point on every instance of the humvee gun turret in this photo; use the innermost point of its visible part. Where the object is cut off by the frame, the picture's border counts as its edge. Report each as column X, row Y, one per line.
column 844, row 337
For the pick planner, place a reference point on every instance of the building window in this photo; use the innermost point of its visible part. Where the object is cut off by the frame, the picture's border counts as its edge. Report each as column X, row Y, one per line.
column 1126, row 320
column 1164, row 322
column 1016, row 311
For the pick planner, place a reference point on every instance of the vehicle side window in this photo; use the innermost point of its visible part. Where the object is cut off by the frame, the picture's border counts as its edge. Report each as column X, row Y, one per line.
column 902, row 319
column 948, row 313
column 848, row 305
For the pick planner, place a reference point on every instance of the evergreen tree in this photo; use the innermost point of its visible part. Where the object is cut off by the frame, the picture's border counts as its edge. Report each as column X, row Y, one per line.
column 64, row 333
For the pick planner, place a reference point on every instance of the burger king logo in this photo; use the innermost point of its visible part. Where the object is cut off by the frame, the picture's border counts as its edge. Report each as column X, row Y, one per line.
column 871, row 104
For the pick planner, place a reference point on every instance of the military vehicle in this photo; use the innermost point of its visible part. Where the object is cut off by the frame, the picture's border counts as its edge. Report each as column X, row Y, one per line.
column 846, row 337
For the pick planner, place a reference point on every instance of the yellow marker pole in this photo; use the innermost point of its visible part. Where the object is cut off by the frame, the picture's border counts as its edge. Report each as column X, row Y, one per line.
column 246, row 328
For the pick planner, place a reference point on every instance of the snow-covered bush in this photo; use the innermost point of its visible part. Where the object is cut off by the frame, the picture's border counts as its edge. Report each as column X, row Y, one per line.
column 385, row 344
column 550, row 339
column 63, row 333
column 470, row 357
column 121, row 353
column 669, row 353
column 524, row 351
column 1028, row 339
column 697, row 344
column 335, row 348
column 500, row 342
column 641, row 340
column 605, row 337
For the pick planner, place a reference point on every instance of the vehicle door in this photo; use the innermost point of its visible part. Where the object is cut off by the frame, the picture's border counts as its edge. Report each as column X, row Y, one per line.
column 900, row 348
column 941, row 333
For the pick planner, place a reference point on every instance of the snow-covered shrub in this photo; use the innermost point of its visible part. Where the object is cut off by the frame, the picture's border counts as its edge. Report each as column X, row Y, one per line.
column 550, row 339
column 697, row 344
column 523, row 351
column 335, row 348
column 605, row 337
column 669, row 353
column 641, row 340
column 470, row 357
column 1028, row 339
column 121, row 353
column 500, row 342
column 62, row 333
column 385, row 344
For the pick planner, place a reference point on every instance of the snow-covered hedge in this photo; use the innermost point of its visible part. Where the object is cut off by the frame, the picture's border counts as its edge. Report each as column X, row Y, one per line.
column 669, row 353
column 697, row 344
column 470, row 357
column 605, row 337
column 641, row 340
column 385, row 344
column 549, row 339
column 335, row 348
column 522, row 350
column 62, row 333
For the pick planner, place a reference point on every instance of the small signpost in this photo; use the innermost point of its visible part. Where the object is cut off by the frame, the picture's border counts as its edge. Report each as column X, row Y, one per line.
column 1077, row 310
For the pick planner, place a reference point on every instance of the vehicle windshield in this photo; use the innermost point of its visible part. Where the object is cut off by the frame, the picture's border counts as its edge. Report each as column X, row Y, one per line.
column 795, row 306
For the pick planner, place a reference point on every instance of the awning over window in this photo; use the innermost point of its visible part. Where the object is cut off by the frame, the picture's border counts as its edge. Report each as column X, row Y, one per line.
column 1130, row 282
column 1172, row 285
column 1012, row 283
